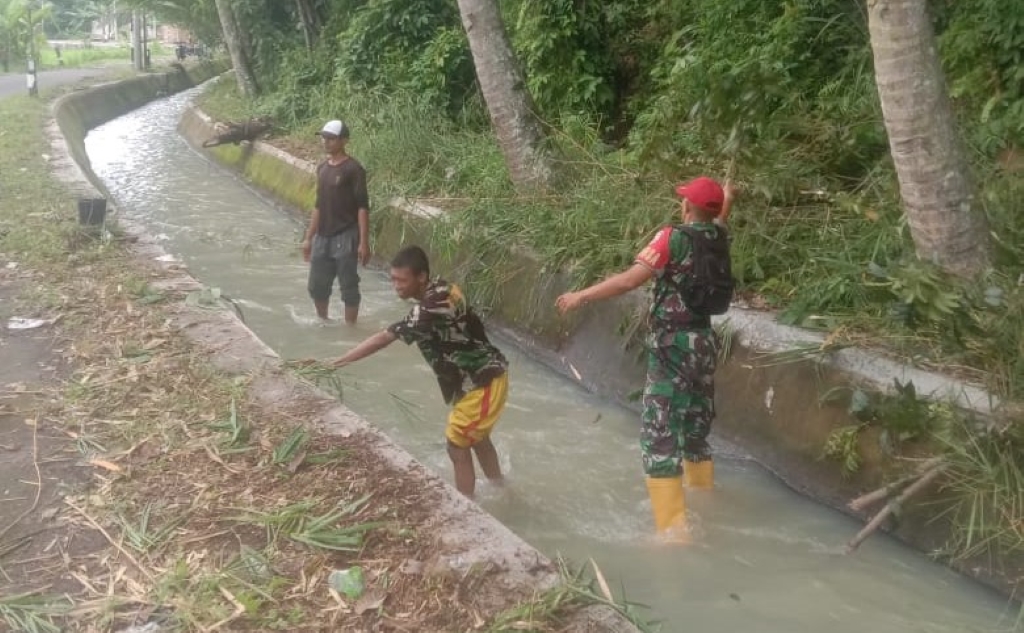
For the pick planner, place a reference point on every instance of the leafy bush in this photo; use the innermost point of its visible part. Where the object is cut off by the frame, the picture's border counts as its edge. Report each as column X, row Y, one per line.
column 983, row 51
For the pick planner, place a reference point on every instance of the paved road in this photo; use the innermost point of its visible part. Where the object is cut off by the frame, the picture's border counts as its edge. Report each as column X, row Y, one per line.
column 14, row 83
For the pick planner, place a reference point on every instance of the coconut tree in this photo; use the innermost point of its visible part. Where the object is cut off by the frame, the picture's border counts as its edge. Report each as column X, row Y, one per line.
column 513, row 115
column 236, row 48
column 938, row 196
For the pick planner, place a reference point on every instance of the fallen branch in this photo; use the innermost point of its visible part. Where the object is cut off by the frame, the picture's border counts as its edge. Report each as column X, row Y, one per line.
column 866, row 500
column 238, row 132
column 890, row 507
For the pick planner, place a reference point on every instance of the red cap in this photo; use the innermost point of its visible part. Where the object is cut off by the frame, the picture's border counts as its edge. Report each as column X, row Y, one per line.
column 703, row 192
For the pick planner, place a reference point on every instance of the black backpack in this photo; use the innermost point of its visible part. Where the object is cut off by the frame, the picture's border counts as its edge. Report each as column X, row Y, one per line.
column 709, row 286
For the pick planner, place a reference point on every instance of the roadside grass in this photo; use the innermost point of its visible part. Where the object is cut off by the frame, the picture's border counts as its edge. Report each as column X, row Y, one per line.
column 77, row 57
column 74, row 57
column 218, row 512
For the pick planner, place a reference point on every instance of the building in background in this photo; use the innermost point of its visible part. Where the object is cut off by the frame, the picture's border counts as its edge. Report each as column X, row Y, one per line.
column 170, row 34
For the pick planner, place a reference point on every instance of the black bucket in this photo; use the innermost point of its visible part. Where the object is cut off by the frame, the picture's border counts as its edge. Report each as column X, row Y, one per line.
column 92, row 211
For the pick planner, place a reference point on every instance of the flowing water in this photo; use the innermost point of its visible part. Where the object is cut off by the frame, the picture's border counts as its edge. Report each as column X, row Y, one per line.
column 765, row 558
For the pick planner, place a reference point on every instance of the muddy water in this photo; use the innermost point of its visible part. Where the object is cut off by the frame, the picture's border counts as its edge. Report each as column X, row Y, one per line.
column 765, row 559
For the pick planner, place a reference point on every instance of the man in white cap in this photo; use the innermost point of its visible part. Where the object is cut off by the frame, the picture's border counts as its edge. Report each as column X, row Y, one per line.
column 338, row 237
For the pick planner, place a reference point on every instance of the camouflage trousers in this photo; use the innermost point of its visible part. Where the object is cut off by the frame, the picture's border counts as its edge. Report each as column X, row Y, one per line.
column 678, row 400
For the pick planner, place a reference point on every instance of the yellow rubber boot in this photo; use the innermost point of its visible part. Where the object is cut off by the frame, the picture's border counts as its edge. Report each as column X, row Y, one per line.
column 669, row 506
column 699, row 474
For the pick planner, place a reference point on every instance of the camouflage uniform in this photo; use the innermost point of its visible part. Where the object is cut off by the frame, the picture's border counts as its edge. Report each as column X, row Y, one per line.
column 679, row 397
column 452, row 340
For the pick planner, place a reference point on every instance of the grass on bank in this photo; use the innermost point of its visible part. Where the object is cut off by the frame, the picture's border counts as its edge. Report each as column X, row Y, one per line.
column 197, row 487
column 835, row 261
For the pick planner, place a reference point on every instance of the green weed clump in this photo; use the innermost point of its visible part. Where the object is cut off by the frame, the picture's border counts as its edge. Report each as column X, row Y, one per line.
column 986, row 483
column 32, row 613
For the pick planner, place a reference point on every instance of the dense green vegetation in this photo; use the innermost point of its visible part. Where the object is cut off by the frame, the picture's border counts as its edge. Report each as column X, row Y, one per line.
column 779, row 96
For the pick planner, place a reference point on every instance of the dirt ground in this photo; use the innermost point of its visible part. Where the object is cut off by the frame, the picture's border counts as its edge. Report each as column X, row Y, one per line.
column 39, row 462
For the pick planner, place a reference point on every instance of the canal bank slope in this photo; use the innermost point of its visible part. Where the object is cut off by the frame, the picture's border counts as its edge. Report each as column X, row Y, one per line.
column 772, row 390
column 436, row 543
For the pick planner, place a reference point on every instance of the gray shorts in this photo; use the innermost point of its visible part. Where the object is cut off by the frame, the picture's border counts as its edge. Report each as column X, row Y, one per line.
column 335, row 257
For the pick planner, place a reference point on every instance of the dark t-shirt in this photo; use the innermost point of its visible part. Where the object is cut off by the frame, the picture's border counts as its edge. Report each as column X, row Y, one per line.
column 340, row 193
column 451, row 338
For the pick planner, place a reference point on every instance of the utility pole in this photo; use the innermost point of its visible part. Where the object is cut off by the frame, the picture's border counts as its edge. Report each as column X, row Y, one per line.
column 30, row 72
column 30, row 78
column 145, row 43
column 138, row 60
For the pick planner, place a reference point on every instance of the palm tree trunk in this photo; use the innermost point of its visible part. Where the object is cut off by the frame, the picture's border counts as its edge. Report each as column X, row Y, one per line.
column 938, row 196
column 232, row 37
column 138, row 60
column 520, row 135
column 310, row 23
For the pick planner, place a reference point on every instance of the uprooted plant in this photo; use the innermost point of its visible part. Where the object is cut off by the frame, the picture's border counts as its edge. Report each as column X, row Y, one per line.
column 974, row 478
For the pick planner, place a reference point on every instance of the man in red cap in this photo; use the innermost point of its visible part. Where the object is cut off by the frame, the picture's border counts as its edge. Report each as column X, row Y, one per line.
column 692, row 280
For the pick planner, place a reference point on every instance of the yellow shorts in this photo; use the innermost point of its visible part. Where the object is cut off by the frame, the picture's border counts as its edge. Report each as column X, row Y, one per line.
column 475, row 414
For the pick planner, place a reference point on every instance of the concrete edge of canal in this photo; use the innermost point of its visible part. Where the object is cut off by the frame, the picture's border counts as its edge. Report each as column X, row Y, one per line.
column 772, row 410
column 472, row 539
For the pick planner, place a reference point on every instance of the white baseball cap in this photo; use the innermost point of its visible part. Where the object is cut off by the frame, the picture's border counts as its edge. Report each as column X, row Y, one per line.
column 334, row 128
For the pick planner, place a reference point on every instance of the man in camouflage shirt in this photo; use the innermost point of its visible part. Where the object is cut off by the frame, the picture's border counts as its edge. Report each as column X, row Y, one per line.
column 471, row 372
column 678, row 399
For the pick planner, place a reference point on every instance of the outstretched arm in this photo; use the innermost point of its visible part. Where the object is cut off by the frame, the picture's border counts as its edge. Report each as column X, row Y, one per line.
column 730, row 195
column 618, row 284
column 374, row 344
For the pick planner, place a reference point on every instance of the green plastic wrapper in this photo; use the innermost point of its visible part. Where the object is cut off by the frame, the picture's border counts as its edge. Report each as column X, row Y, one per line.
column 348, row 582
